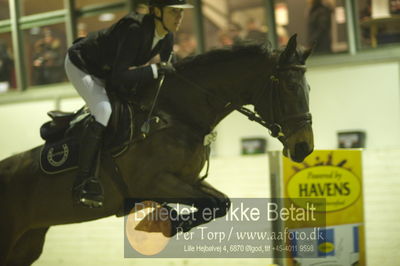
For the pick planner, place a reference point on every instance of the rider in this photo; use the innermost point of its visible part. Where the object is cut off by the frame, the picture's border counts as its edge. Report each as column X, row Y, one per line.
column 116, row 58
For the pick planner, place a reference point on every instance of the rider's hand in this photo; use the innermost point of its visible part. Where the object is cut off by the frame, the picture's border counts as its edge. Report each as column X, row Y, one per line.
column 165, row 68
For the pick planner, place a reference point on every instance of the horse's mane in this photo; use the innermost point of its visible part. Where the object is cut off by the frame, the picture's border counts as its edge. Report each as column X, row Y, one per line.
column 226, row 54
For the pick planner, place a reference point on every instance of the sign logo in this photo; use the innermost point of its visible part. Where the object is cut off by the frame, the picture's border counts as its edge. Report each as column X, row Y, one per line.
column 337, row 185
column 326, row 247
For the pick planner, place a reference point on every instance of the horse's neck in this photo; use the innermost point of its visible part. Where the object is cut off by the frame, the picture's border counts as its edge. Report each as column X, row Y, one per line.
column 207, row 99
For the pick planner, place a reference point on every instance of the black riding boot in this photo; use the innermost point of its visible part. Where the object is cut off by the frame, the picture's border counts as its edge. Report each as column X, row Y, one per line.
column 87, row 189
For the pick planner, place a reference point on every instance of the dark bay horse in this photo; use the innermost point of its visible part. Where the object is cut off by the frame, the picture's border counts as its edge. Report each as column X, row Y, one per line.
column 168, row 162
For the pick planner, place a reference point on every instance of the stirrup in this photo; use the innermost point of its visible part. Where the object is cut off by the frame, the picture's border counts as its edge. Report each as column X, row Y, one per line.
column 89, row 198
column 91, row 203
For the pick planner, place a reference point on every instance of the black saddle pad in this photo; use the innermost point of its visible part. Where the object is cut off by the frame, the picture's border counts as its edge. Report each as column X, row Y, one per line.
column 59, row 156
column 60, row 152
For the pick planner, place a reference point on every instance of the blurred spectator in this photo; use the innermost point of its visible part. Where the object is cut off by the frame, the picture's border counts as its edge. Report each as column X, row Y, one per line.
column 230, row 35
column 254, row 32
column 225, row 38
column 320, row 26
column 82, row 30
column 186, row 45
column 6, row 67
column 47, row 59
column 395, row 7
column 365, row 15
column 366, row 11
column 234, row 31
column 142, row 9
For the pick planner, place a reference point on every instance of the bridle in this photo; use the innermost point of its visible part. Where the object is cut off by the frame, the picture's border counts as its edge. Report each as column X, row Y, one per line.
column 275, row 117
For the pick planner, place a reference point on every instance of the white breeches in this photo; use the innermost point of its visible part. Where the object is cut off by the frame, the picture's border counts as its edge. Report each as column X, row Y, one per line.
column 92, row 90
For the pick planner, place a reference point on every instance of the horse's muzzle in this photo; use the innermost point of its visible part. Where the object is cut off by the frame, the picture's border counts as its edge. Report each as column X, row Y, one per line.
column 301, row 151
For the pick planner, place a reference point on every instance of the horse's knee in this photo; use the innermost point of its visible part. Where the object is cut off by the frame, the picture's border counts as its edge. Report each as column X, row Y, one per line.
column 223, row 206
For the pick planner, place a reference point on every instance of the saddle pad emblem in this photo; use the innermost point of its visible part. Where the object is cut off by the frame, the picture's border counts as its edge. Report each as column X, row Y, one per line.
column 60, row 156
column 53, row 157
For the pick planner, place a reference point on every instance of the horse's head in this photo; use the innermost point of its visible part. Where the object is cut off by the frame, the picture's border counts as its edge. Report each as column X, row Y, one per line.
column 287, row 112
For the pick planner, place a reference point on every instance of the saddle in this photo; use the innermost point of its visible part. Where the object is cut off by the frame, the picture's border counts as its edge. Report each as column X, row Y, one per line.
column 62, row 134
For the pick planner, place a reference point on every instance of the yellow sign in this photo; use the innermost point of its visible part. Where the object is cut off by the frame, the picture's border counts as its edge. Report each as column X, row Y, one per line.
column 337, row 185
column 332, row 182
column 333, row 175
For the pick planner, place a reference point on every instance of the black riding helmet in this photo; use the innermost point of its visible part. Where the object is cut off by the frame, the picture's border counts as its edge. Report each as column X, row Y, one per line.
column 170, row 3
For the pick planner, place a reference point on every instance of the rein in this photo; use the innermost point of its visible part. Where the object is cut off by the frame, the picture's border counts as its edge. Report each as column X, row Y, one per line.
column 272, row 125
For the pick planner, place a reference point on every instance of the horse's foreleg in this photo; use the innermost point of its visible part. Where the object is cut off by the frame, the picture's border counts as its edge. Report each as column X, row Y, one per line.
column 201, row 195
column 28, row 248
column 221, row 202
column 214, row 202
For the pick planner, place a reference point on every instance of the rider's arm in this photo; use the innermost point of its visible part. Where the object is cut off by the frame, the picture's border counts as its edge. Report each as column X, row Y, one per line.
column 130, row 39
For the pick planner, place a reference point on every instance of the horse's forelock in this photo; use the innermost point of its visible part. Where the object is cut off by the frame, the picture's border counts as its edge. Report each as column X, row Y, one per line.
column 299, row 57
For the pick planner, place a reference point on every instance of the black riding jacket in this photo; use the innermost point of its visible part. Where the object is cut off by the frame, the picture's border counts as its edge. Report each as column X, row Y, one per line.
column 108, row 54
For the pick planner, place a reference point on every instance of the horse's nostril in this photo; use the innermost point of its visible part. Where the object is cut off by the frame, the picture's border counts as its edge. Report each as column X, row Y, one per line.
column 301, row 150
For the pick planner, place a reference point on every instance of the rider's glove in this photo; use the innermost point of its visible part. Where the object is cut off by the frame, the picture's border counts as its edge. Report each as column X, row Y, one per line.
column 165, row 68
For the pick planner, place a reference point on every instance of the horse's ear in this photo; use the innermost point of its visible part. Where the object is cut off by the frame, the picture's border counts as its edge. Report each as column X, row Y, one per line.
column 289, row 51
column 292, row 44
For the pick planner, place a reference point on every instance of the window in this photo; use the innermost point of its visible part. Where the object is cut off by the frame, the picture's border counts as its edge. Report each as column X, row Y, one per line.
column 379, row 22
column 185, row 39
column 322, row 22
column 225, row 22
column 98, row 22
column 45, row 50
column 82, row 3
column 7, row 71
column 230, row 22
column 30, row 7
column 4, row 9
